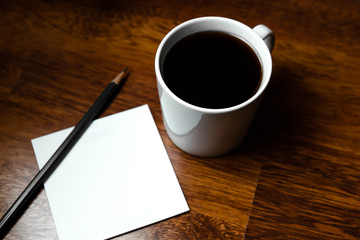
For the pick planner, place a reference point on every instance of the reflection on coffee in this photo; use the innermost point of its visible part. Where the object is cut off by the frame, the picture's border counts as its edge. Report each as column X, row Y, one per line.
column 212, row 70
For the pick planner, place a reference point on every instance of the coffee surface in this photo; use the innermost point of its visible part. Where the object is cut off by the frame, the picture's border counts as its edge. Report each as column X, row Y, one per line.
column 212, row 70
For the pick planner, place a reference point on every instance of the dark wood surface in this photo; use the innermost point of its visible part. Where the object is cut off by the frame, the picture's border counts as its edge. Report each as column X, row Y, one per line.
column 297, row 175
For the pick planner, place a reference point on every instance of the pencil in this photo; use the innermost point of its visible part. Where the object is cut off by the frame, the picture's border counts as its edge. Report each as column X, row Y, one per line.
column 23, row 200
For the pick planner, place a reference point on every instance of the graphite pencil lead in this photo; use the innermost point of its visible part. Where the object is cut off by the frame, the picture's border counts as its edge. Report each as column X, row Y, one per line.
column 120, row 77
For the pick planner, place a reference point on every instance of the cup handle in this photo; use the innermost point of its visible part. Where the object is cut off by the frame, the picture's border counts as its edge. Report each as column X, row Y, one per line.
column 266, row 34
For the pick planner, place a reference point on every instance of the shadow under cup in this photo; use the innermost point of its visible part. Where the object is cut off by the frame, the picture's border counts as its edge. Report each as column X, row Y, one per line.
column 206, row 128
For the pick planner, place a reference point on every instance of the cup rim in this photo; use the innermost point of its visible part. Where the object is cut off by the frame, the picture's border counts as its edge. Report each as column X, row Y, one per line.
column 258, row 93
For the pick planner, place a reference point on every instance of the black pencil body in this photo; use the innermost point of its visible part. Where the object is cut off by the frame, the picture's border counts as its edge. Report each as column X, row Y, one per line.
column 30, row 191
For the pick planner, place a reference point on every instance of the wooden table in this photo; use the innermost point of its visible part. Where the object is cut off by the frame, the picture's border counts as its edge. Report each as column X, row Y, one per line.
column 297, row 175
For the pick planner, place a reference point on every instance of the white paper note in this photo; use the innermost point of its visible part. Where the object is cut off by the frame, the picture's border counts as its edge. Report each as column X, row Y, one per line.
column 117, row 178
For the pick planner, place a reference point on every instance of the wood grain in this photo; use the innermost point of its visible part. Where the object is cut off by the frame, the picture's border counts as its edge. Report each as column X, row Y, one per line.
column 295, row 177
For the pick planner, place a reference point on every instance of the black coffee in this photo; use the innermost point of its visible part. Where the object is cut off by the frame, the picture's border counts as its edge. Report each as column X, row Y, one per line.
column 212, row 70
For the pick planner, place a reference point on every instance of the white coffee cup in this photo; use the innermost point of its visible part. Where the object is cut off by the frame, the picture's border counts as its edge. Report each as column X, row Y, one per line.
column 204, row 131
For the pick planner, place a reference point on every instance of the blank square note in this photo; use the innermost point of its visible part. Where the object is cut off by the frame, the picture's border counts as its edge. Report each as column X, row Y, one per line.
column 117, row 178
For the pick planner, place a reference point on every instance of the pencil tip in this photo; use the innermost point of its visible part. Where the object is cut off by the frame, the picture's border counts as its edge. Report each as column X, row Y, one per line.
column 120, row 76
